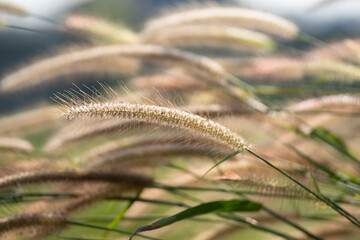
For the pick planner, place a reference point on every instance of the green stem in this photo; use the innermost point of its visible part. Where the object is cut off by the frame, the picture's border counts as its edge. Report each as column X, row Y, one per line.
column 255, row 225
column 282, row 218
column 107, row 229
column 252, row 224
column 331, row 204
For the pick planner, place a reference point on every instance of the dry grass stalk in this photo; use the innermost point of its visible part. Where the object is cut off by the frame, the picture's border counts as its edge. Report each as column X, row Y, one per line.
column 225, row 15
column 128, row 144
column 160, row 116
column 30, row 220
column 338, row 103
column 37, row 117
column 25, row 165
column 99, row 28
column 355, row 47
column 131, row 157
column 267, row 186
column 94, row 195
column 336, row 51
column 274, row 68
column 335, row 70
column 15, row 144
column 44, row 70
column 238, row 167
column 126, row 179
column 175, row 79
column 65, row 65
column 79, row 131
column 12, row 9
column 213, row 36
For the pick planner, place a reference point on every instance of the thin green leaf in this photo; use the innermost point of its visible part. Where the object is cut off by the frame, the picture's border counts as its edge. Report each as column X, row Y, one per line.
column 218, row 163
column 210, row 207
column 331, row 139
column 331, row 204
column 120, row 216
column 339, row 175
column 107, row 229
column 314, row 182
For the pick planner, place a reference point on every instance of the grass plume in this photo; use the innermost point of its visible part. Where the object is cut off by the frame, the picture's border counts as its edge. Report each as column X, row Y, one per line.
column 15, row 144
column 213, row 36
column 126, row 179
column 161, row 116
column 230, row 15
column 99, row 28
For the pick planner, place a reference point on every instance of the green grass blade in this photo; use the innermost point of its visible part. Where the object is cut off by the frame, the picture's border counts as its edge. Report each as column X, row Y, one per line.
column 107, row 229
column 120, row 216
column 210, row 207
column 339, row 175
column 331, row 204
column 334, row 141
column 220, row 162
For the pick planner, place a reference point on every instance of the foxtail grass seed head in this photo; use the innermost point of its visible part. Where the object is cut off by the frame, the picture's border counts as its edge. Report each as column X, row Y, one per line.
column 340, row 102
column 213, row 36
column 79, row 131
column 15, row 144
column 344, row 50
column 29, row 220
column 125, row 179
column 274, row 69
column 225, row 15
column 45, row 70
column 159, row 115
column 100, row 28
column 266, row 186
column 129, row 156
column 133, row 147
column 37, row 117
column 334, row 70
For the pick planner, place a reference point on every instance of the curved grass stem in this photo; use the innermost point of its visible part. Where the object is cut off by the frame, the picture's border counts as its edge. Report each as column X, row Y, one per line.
column 323, row 199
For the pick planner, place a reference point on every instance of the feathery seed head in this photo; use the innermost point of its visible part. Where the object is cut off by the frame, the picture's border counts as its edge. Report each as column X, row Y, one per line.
column 27, row 220
column 125, row 179
column 226, row 15
column 100, row 28
column 15, row 144
column 213, row 36
column 158, row 115
column 45, row 70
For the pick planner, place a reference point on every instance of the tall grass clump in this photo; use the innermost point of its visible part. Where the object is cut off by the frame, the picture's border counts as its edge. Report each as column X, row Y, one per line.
column 207, row 121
